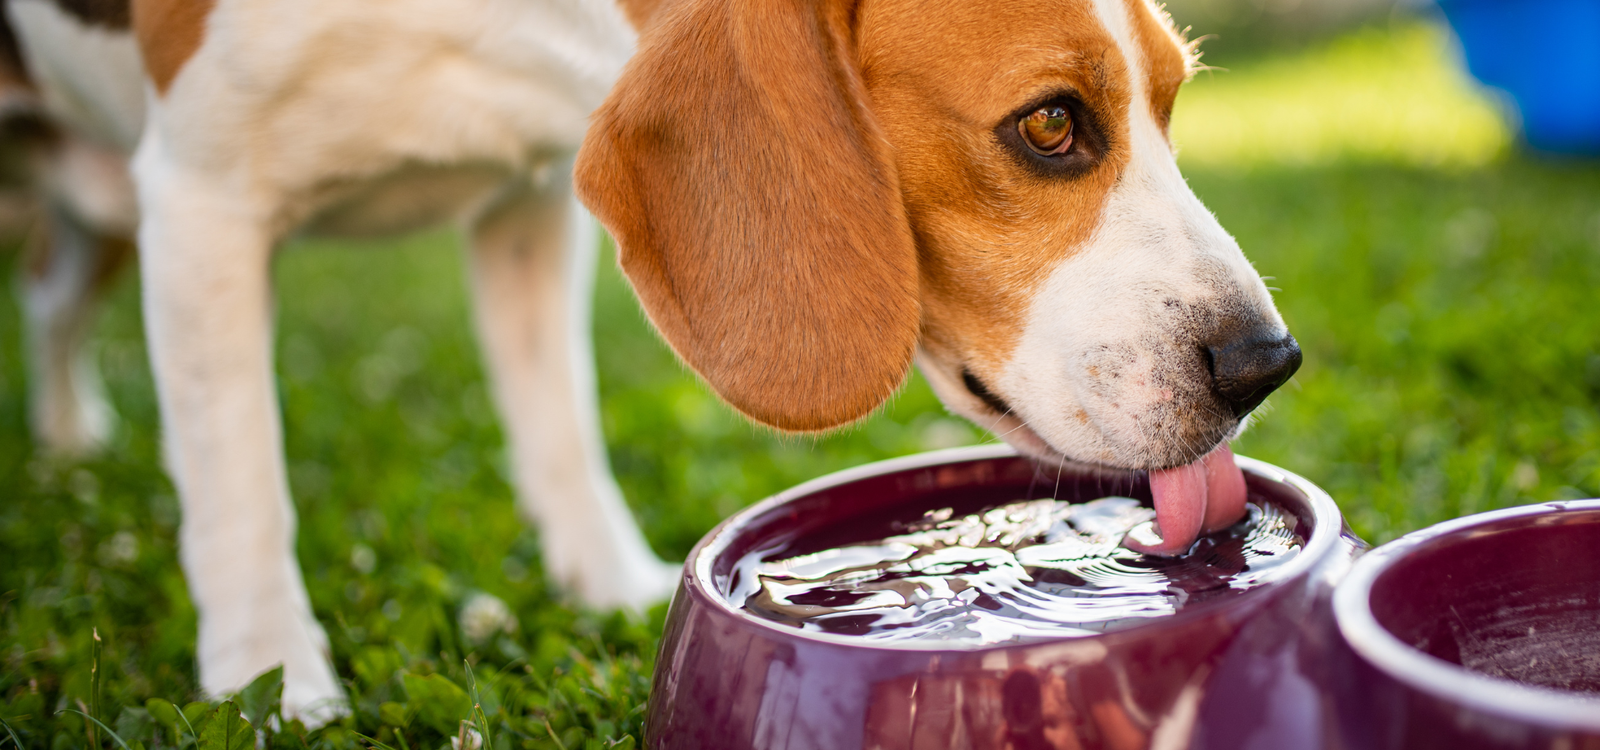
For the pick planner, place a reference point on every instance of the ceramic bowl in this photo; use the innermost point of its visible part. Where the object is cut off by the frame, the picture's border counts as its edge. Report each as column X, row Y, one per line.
column 1248, row 670
column 1482, row 632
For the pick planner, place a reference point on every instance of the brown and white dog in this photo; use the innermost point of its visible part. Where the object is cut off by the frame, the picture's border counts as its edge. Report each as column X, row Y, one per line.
column 806, row 194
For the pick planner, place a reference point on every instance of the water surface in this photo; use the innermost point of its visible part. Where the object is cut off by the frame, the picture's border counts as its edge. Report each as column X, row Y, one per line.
column 1019, row 572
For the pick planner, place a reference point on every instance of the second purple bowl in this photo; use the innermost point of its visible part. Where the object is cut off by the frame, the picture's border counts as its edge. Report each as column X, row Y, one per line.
column 1482, row 632
column 1247, row 670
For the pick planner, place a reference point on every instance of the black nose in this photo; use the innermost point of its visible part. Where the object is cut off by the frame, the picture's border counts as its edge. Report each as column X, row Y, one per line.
column 1247, row 369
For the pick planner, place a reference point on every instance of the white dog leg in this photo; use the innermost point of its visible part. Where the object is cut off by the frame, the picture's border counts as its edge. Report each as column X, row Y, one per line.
column 205, row 257
column 61, row 280
column 533, row 259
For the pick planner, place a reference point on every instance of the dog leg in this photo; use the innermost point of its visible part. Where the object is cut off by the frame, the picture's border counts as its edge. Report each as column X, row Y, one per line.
column 65, row 272
column 532, row 260
column 205, row 251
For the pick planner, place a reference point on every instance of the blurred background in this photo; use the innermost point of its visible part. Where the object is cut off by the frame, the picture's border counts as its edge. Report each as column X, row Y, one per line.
column 1440, row 275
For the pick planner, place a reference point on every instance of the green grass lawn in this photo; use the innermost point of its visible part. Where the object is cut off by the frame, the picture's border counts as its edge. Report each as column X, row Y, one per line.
column 1443, row 289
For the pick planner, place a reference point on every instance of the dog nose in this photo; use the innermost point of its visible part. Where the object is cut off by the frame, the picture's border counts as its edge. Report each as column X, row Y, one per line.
column 1247, row 369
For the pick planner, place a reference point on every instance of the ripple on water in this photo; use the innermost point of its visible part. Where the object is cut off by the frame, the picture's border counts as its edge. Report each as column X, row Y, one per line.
column 1019, row 572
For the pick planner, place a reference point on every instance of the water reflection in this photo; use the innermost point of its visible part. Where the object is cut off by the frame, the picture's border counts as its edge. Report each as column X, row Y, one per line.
column 1015, row 573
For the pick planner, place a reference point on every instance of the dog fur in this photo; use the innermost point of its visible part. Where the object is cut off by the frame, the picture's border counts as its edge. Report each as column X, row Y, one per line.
column 807, row 195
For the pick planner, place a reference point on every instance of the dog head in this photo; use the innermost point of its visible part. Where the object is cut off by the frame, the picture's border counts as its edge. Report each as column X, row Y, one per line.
column 806, row 194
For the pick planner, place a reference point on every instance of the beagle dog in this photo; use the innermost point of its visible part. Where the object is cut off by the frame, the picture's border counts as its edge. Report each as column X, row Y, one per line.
column 807, row 196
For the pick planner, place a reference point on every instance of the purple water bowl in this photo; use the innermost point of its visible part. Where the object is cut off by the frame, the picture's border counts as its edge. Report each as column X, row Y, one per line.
column 1254, row 669
column 1482, row 632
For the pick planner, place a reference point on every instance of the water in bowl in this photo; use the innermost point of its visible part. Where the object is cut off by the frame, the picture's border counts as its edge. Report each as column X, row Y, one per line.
column 1015, row 573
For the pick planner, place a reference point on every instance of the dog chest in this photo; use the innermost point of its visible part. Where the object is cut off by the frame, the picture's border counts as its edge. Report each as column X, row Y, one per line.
column 368, row 116
column 410, row 197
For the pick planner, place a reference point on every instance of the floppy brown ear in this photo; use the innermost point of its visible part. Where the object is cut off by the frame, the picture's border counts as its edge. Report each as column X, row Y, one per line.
column 756, row 208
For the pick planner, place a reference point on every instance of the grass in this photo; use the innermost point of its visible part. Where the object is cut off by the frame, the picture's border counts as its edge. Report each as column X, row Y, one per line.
column 1445, row 304
column 1381, row 94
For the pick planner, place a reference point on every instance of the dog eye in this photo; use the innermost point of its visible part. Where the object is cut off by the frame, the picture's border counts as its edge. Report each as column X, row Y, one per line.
column 1048, row 131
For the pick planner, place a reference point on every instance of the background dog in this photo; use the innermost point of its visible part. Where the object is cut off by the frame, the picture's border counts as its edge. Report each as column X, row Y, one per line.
column 806, row 195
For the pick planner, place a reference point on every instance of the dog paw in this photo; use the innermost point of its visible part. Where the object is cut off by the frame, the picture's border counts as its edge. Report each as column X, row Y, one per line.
column 311, row 690
column 314, row 699
column 73, row 425
column 635, row 588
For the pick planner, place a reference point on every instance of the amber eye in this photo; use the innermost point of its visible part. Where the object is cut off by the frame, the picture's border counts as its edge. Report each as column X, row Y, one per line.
column 1048, row 131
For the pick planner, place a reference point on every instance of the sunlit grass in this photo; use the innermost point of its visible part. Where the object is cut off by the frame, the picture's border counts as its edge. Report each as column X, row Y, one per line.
column 1392, row 95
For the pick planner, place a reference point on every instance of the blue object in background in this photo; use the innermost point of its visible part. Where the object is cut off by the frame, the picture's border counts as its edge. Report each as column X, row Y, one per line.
column 1546, row 55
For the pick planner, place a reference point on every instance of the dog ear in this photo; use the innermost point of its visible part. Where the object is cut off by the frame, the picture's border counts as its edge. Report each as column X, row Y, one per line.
column 756, row 208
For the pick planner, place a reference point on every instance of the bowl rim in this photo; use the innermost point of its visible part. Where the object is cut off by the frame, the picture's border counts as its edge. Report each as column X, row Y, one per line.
column 1434, row 676
column 699, row 579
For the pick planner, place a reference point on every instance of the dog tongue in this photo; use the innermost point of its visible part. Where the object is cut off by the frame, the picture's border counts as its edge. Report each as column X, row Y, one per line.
column 1225, row 492
column 1206, row 495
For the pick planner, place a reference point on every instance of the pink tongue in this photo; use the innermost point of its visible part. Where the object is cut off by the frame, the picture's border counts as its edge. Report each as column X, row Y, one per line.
column 1206, row 495
column 1225, row 492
